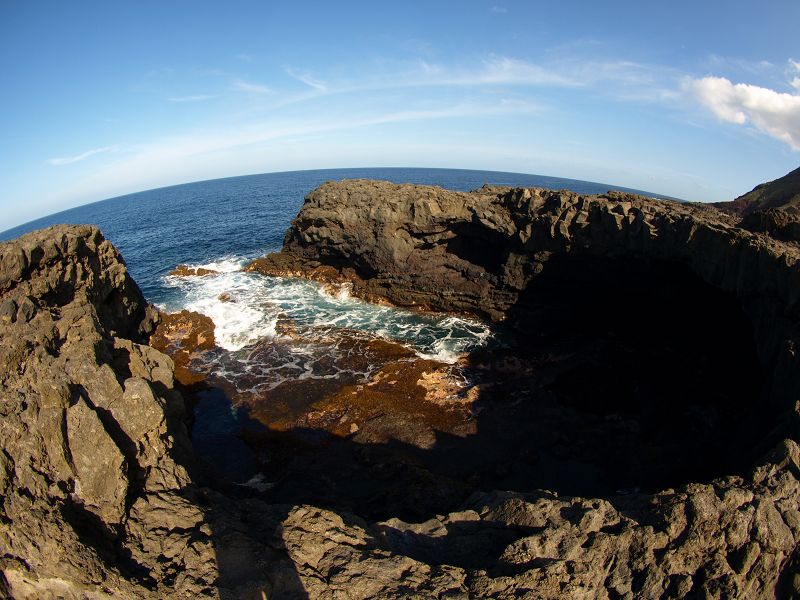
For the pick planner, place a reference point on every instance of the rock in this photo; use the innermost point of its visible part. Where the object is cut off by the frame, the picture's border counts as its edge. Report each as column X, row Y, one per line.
column 185, row 336
column 85, row 429
column 772, row 208
column 782, row 193
column 27, row 310
column 8, row 311
column 100, row 495
column 489, row 253
column 478, row 252
column 780, row 223
column 187, row 271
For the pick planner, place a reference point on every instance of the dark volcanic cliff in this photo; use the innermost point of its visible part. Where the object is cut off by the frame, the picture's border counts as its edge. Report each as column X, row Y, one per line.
column 483, row 252
column 100, row 492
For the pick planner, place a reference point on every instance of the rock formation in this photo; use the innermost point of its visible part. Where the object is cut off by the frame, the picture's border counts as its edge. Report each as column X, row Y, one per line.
column 783, row 192
column 505, row 254
column 103, row 497
column 187, row 271
column 772, row 207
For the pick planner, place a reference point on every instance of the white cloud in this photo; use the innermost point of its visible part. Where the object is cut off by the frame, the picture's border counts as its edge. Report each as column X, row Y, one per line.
column 57, row 162
column 775, row 113
column 499, row 9
column 196, row 98
column 244, row 57
column 307, row 79
column 251, row 88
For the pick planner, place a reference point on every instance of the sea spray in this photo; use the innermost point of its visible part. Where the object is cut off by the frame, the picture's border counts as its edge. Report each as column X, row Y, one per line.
column 246, row 308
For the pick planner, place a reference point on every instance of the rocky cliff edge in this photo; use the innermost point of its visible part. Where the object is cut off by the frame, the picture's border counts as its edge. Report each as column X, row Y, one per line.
column 97, row 476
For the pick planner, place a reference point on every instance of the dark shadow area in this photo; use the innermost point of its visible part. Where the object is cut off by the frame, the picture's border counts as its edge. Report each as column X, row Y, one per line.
column 246, row 537
column 479, row 245
column 652, row 347
column 617, row 377
column 217, row 439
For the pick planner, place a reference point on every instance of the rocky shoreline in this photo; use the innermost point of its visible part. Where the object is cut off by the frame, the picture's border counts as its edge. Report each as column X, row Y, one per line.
column 102, row 495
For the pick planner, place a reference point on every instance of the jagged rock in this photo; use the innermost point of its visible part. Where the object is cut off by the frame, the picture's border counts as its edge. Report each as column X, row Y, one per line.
column 484, row 252
column 84, row 428
column 187, row 271
column 98, row 496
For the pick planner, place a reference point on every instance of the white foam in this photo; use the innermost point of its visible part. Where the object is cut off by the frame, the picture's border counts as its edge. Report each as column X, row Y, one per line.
column 235, row 325
column 253, row 303
column 226, row 264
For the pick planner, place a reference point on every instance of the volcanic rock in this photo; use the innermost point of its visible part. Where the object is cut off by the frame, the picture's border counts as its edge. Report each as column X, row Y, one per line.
column 184, row 336
column 504, row 254
column 187, row 271
column 101, row 495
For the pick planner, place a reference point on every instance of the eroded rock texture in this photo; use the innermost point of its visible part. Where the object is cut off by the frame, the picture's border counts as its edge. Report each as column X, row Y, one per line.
column 91, row 426
column 635, row 269
column 100, row 491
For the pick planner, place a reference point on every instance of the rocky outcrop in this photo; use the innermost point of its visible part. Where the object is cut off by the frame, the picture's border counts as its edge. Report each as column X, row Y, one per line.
column 783, row 192
column 187, row 271
column 100, row 490
column 479, row 252
column 499, row 253
column 91, row 427
column 772, row 208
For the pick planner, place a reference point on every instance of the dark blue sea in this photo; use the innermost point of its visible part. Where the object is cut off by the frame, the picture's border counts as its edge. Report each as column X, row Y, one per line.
column 220, row 225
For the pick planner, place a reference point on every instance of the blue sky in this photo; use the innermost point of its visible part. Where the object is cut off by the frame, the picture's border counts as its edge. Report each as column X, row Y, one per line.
column 699, row 100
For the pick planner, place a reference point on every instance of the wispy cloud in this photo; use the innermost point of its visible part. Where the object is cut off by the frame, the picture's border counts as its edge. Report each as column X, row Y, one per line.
column 511, row 71
column 58, row 162
column 244, row 57
column 774, row 113
column 251, row 88
column 499, row 9
column 196, row 98
column 506, row 70
column 307, row 79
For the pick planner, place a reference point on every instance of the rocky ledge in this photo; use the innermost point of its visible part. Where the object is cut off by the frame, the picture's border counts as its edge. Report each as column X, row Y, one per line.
column 102, row 496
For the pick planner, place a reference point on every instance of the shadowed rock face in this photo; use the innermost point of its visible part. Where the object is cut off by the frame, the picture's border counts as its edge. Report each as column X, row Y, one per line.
column 665, row 318
column 101, row 496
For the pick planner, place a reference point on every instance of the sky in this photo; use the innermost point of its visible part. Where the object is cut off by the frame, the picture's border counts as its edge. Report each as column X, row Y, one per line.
column 697, row 100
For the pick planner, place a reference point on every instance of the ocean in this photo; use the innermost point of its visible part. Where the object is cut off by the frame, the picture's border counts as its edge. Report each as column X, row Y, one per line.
column 222, row 224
